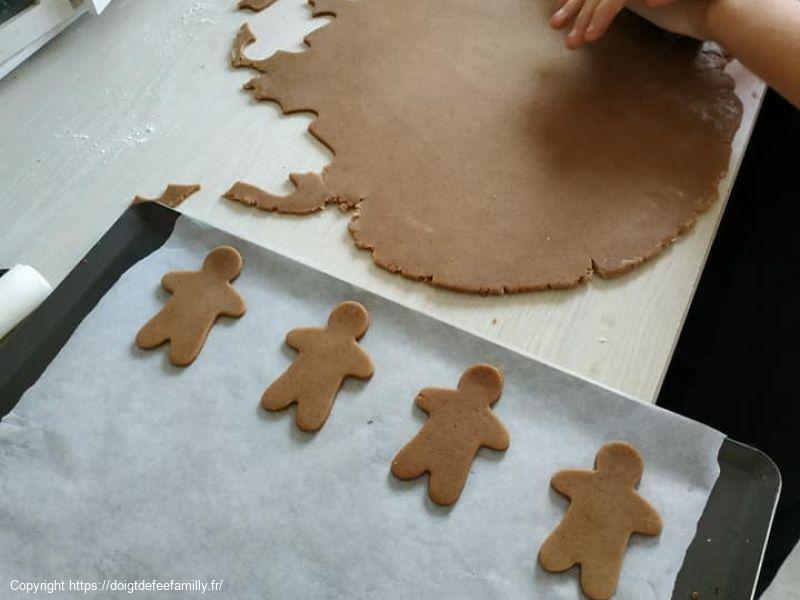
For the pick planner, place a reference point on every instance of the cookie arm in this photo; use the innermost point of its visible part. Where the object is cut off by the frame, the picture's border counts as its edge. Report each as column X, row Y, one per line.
column 429, row 400
column 497, row 436
column 235, row 306
column 170, row 280
column 649, row 521
column 360, row 366
column 566, row 482
column 298, row 338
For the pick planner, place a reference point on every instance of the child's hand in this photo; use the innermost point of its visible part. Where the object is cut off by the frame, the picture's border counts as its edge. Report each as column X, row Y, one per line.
column 761, row 34
column 589, row 19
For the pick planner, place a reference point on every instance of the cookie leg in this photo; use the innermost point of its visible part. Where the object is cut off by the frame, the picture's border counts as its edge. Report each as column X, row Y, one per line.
column 281, row 393
column 409, row 463
column 446, row 484
column 599, row 579
column 312, row 413
column 184, row 348
column 554, row 555
column 152, row 334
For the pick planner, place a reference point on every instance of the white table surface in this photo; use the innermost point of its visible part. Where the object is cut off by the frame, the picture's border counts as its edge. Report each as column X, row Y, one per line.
column 142, row 95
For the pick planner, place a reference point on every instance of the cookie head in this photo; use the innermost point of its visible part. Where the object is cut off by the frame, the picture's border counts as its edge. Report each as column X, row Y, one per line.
column 350, row 318
column 621, row 460
column 484, row 382
column 224, row 261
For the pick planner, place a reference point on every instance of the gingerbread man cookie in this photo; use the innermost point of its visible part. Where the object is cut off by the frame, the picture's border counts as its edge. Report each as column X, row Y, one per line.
column 461, row 421
column 604, row 511
column 198, row 298
column 325, row 357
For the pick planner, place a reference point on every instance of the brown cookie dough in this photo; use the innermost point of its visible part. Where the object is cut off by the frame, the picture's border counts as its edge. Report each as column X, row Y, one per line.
column 491, row 160
column 244, row 37
column 173, row 195
column 305, row 199
column 255, row 5
column 461, row 421
column 198, row 298
column 604, row 511
column 325, row 357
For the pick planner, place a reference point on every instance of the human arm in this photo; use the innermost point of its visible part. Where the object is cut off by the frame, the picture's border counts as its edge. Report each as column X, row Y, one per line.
column 764, row 35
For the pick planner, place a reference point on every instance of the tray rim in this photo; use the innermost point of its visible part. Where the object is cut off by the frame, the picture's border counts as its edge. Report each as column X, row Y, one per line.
column 144, row 227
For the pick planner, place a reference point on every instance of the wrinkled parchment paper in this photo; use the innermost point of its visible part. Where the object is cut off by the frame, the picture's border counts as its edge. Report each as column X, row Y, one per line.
column 116, row 464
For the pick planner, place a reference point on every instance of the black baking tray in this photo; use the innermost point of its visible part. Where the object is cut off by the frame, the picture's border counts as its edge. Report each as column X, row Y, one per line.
column 722, row 562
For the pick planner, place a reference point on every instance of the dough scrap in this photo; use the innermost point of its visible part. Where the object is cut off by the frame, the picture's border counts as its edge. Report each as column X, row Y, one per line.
column 172, row 196
column 255, row 5
column 326, row 356
column 460, row 422
column 483, row 157
column 198, row 298
column 604, row 511
column 310, row 187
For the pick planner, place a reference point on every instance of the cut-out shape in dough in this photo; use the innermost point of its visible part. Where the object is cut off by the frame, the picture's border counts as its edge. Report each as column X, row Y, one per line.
column 486, row 158
column 173, row 195
column 325, row 356
column 460, row 422
column 198, row 298
column 604, row 511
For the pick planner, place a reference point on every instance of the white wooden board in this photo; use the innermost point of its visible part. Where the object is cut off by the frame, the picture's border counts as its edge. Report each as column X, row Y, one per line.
column 84, row 131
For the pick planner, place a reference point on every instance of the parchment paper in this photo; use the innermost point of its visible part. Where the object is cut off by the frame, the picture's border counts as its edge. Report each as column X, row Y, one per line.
column 116, row 464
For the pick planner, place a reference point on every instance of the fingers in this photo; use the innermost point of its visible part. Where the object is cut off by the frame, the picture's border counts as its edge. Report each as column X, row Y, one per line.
column 589, row 18
column 576, row 36
column 603, row 16
column 566, row 14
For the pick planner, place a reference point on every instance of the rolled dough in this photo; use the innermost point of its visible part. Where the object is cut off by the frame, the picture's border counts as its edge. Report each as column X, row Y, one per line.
column 482, row 156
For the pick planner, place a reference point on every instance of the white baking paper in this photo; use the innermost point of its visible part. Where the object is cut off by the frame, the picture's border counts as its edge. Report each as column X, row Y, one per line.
column 116, row 464
column 22, row 290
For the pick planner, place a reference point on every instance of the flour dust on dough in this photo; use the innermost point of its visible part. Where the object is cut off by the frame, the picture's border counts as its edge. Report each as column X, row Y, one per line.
column 481, row 156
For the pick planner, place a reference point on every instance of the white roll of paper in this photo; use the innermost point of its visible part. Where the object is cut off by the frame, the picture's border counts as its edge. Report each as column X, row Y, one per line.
column 22, row 289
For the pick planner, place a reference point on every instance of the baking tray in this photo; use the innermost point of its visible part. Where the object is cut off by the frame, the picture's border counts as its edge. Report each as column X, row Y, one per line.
column 722, row 561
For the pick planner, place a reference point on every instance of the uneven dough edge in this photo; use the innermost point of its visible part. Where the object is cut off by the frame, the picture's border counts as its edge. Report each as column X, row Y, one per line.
column 431, row 279
column 594, row 268
column 311, row 192
column 302, row 201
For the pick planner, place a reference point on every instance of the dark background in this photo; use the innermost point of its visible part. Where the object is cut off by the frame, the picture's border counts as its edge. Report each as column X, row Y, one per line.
column 10, row 8
column 734, row 366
